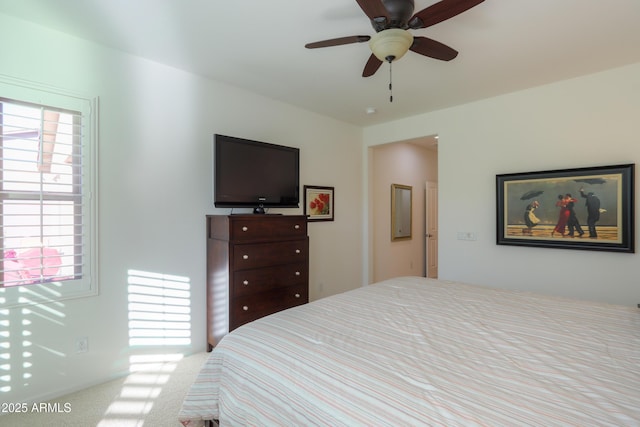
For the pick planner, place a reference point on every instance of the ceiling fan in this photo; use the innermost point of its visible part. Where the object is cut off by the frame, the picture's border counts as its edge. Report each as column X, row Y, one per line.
column 391, row 19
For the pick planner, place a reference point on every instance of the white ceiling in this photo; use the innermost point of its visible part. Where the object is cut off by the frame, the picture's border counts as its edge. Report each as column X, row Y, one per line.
column 504, row 45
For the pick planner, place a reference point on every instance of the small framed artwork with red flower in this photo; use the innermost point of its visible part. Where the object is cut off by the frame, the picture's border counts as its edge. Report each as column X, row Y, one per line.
column 319, row 203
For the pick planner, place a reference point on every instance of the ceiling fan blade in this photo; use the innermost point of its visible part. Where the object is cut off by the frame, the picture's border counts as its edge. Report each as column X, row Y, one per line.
column 337, row 42
column 441, row 11
column 433, row 49
column 373, row 8
column 372, row 66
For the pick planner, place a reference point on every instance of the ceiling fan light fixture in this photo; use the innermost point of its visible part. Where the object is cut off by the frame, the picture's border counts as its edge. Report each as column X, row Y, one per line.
column 390, row 45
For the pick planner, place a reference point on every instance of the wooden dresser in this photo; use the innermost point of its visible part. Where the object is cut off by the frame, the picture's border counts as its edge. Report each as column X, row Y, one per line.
column 256, row 265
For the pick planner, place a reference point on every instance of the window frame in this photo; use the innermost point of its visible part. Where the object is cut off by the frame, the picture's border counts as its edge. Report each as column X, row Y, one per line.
column 47, row 96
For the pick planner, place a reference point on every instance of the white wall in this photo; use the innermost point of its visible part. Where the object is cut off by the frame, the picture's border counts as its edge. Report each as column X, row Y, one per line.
column 587, row 121
column 405, row 164
column 156, row 127
column 155, row 188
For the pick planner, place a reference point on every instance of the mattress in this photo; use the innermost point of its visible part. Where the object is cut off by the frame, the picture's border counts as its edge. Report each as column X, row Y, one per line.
column 416, row 351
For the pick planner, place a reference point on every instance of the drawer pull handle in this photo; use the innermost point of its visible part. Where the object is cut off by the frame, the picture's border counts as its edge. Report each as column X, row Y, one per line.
column 297, row 295
column 245, row 256
column 245, row 308
column 297, row 273
column 245, row 228
column 297, row 251
column 246, row 282
column 297, row 227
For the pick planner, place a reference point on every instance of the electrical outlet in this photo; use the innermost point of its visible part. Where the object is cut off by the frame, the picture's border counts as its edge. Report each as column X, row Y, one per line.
column 82, row 345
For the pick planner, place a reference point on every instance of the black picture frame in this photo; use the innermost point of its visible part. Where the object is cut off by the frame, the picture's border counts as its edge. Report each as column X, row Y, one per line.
column 319, row 203
column 532, row 206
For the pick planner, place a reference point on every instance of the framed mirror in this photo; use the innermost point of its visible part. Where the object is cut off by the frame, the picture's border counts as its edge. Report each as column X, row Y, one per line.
column 400, row 212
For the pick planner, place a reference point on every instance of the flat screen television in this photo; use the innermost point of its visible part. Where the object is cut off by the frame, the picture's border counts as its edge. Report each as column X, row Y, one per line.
column 254, row 174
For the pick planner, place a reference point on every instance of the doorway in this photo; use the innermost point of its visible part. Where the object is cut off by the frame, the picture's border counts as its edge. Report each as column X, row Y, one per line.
column 412, row 163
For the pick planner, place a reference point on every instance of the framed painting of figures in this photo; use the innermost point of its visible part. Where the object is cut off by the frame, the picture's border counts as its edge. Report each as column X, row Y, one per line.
column 583, row 208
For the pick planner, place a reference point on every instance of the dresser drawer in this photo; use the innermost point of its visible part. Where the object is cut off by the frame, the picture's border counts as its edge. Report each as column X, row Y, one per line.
column 254, row 227
column 256, row 255
column 258, row 280
column 251, row 307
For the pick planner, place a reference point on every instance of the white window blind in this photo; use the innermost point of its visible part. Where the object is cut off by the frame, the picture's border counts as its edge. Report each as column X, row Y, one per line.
column 46, row 208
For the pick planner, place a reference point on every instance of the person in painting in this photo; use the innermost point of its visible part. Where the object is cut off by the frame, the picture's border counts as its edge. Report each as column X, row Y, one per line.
column 572, row 223
column 530, row 218
column 593, row 212
column 563, row 217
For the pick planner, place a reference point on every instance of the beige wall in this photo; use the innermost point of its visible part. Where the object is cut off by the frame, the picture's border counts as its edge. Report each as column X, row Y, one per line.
column 406, row 164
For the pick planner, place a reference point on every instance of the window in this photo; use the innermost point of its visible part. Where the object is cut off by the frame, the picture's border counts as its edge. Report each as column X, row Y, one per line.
column 47, row 207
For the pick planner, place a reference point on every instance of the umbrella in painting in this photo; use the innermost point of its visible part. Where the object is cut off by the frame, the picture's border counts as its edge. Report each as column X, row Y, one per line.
column 531, row 194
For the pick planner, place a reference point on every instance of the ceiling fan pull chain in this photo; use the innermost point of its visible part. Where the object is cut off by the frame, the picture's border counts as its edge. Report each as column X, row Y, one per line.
column 390, row 82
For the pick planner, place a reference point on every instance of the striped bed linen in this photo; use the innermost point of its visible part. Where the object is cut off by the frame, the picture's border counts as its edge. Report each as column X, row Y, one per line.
column 413, row 351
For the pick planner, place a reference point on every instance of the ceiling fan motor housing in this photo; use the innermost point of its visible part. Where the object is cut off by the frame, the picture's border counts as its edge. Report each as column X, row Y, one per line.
column 390, row 45
column 399, row 12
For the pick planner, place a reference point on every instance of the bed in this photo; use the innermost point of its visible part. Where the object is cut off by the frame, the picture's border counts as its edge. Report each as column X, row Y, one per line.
column 416, row 351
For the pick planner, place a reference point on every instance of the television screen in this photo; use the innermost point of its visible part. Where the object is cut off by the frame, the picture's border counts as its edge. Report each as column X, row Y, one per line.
column 255, row 174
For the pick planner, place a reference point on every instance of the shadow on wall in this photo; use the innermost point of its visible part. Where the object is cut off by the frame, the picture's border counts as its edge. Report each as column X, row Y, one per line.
column 159, row 314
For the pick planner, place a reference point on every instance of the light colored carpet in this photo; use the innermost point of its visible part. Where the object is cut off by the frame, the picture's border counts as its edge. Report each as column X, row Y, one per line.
column 150, row 396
